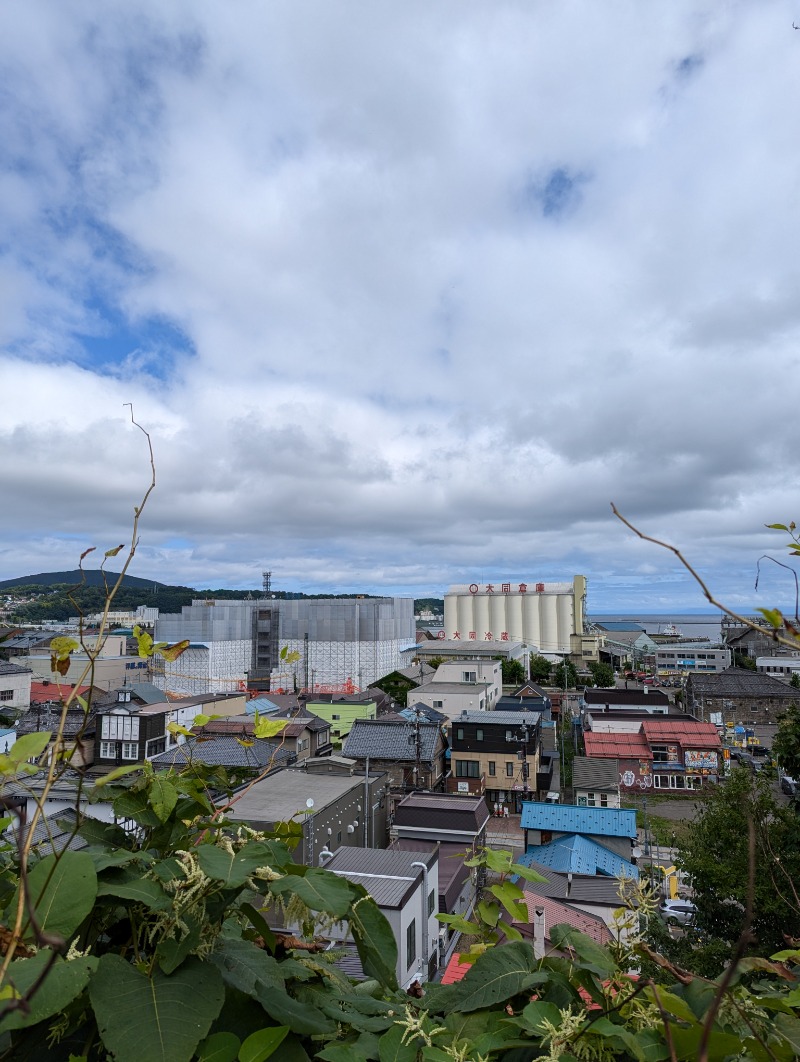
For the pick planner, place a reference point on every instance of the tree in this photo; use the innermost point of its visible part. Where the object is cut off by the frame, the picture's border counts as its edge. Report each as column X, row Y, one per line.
column 568, row 681
column 716, row 853
column 513, row 672
column 540, row 668
column 786, row 743
column 794, row 681
column 603, row 674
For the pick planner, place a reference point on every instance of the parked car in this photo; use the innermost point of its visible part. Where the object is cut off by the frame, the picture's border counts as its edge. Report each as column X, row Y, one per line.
column 788, row 785
column 677, row 912
column 758, row 750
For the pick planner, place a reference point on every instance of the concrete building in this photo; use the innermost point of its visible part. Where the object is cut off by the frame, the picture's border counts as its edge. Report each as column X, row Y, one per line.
column 677, row 659
column 334, row 809
column 341, row 644
column 109, row 670
column 738, row 695
column 545, row 615
column 463, row 685
column 15, row 686
column 779, row 667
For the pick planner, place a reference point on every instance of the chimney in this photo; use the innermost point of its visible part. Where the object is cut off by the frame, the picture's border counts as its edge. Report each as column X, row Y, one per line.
column 569, row 883
column 539, row 948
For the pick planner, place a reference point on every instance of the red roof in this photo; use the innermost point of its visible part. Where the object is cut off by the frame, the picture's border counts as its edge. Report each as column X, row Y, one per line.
column 689, row 733
column 455, row 970
column 556, row 912
column 621, row 746
column 52, row 691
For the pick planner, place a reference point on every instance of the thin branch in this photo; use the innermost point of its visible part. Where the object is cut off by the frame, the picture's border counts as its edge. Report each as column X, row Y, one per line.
column 667, row 1031
column 792, row 643
column 789, row 568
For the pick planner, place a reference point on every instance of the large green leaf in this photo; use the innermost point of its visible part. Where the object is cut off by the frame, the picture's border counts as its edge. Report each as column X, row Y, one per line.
column 63, row 983
column 63, row 889
column 375, row 941
column 163, row 797
column 219, row 1047
column 260, row 1045
column 318, row 889
column 286, row 1010
column 392, row 1049
column 497, row 975
column 592, row 956
column 127, row 885
column 233, row 869
column 157, row 1018
column 244, row 965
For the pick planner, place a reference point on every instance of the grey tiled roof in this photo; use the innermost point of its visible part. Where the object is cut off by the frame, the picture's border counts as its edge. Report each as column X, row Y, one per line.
column 385, row 739
column 223, row 750
column 741, row 682
column 13, row 669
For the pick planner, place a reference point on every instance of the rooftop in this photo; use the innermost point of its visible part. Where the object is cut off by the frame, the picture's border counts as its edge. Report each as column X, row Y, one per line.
column 388, row 739
column 388, row 875
column 740, row 682
column 284, row 795
column 569, row 818
column 580, row 855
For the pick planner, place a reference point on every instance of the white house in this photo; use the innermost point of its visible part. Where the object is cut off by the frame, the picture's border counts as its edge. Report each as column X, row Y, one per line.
column 15, row 686
column 405, row 886
column 463, row 685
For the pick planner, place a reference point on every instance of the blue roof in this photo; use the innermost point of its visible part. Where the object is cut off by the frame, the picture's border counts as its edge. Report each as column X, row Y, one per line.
column 581, row 856
column 569, row 818
column 262, row 705
column 620, row 625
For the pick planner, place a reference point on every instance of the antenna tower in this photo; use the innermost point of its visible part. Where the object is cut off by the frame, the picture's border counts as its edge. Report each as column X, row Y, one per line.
column 266, row 582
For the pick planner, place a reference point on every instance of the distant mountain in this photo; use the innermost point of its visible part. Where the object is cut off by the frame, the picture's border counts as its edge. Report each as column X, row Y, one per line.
column 86, row 578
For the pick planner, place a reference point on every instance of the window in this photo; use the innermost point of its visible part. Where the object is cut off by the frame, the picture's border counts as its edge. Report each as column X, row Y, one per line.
column 6, row 695
column 108, row 750
column 130, row 750
column 460, row 733
column 467, row 769
column 604, row 800
column 438, row 704
column 120, row 727
column 509, row 735
column 411, row 943
column 509, row 769
column 339, row 837
column 492, row 768
column 336, row 717
column 431, row 903
column 590, row 800
column 660, row 754
column 479, row 735
column 469, row 676
column 155, row 746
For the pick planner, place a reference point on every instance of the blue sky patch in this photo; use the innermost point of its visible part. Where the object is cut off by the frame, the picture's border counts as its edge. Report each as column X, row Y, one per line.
column 152, row 343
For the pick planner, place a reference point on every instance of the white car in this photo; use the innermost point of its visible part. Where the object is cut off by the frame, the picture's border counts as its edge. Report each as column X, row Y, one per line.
column 677, row 912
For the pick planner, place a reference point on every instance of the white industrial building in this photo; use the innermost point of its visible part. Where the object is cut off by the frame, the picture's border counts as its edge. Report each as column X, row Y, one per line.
column 342, row 644
column 546, row 615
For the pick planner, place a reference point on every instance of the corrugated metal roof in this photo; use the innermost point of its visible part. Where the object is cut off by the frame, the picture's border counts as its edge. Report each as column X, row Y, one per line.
column 689, row 732
column 440, row 811
column 599, row 773
column 388, row 875
column 578, row 855
column 616, row 746
column 582, row 888
column 569, row 818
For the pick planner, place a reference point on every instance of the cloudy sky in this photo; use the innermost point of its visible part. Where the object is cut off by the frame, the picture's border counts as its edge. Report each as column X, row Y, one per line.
column 405, row 293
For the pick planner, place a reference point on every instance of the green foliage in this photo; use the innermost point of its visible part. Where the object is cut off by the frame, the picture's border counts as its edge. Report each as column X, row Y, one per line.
column 786, row 743
column 794, row 681
column 715, row 852
column 602, row 674
column 513, row 672
column 540, row 668
column 565, row 676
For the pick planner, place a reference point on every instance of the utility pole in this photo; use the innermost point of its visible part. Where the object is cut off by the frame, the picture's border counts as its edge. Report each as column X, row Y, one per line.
column 415, row 739
column 524, row 737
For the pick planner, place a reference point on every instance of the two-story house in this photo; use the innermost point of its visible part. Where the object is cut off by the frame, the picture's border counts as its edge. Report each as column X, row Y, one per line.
column 412, row 753
column 405, row 886
column 495, row 754
column 463, row 685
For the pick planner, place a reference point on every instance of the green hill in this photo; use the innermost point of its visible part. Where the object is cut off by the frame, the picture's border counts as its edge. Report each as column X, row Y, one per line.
column 45, row 580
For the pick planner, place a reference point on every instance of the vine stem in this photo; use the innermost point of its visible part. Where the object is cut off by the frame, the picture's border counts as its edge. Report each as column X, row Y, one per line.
column 23, row 900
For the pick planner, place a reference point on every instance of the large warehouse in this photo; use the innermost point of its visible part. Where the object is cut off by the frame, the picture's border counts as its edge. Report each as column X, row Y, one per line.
column 544, row 615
